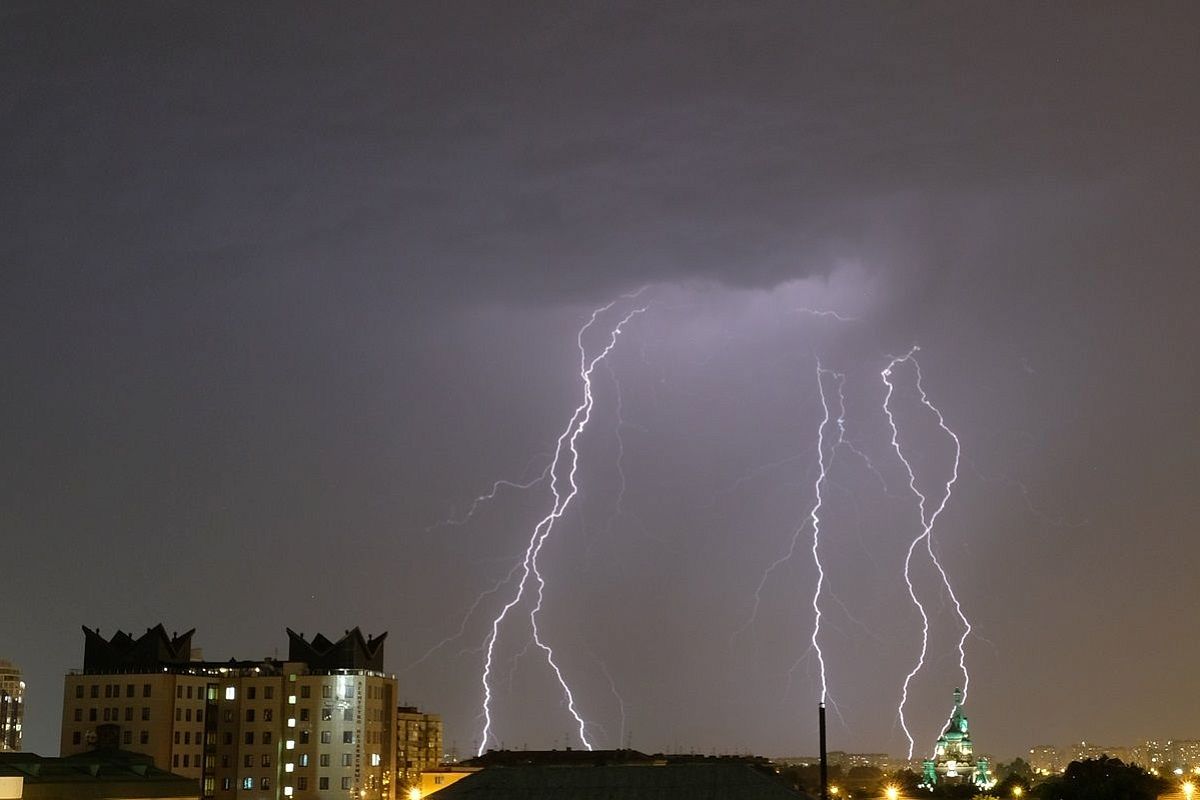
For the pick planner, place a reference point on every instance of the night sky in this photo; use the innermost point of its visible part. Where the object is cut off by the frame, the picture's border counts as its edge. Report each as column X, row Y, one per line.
column 283, row 286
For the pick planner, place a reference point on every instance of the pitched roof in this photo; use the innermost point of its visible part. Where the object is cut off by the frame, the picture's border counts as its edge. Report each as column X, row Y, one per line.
column 716, row 780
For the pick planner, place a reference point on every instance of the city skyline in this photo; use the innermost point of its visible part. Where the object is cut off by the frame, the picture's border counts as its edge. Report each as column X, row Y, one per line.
column 296, row 316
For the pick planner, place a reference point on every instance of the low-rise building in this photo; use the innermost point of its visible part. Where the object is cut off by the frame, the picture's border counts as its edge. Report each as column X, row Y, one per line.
column 96, row 775
column 418, row 745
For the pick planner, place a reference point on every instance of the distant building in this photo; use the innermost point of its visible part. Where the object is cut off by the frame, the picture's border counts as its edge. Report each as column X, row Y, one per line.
column 12, row 706
column 319, row 725
column 418, row 745
column 954, row 759
column 1164, row 756
column 98, row 775
column 1045, row 759
column 1085, row 750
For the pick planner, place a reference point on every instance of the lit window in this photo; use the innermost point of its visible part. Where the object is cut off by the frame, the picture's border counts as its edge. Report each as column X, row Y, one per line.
column 289, row 767
column 231, row 694
column 290, row 744
column 287, row 791
column 375, row 759
column 247, row 783
column 291, row 699
column 291, row 722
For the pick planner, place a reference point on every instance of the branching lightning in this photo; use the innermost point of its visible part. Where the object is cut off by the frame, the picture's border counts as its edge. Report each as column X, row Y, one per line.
column 564, row 488
column 927, row 522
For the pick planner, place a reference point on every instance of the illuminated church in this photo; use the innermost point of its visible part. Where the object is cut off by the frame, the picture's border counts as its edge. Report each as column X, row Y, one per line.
column 953, row 756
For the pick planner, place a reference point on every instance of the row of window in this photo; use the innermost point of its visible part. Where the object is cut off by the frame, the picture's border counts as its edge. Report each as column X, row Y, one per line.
column 111, row 690
column 126, row 737
column 114, row 714
column 301, row 783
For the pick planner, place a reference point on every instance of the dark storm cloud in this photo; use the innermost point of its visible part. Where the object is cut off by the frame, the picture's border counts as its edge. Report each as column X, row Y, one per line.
column 296, row 279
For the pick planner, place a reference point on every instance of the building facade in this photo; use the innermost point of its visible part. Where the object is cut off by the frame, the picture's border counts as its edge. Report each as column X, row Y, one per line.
column 319, row 725
column 12, row 706
column 418, row 745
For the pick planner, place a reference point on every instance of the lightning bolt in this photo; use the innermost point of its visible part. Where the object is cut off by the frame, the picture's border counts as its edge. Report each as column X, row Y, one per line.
column 815, row 517
column 926, row 535
column 566, row 448
column 488, row 496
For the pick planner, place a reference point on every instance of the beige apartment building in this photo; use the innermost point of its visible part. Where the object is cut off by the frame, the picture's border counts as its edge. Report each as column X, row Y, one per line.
column 319, row 725
column 418, row 745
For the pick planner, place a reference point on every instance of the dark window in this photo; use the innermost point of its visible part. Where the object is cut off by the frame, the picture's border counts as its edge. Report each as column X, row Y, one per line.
column 228, row 738
column 129, row 690
column 303, row 737
column 304, row 715
column 347, row 737
column 95, row 690
column 322, row 783
column 305, row 691
column 175, row 760
column 269, row 692
column 326, row 737
column 249, row 737
column 250, row 692
column 347, row 759
column 266, row 760
column 324, row 759
column 146, row 712
column 264, row 784
column 266, row 737
column 79, row 715
column 199, row 715
column 348, row 715
column 178, row 691
column 129, row 713
column 326, row 714
column 145, row 690
column 187, row 714
column 144, row 737
column 185, row 760
column 301, row 783
column 267, row 715
column 326, row 691
column 345, row 783
column 127, row 737
column 189, row 693
column 91, row 715
column 249, row 715
column 248, row 761
column 76, row 737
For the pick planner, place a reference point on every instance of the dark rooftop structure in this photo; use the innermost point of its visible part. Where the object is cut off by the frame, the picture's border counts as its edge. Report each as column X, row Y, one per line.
column 156, row 651
column 352, row 651
column 618, row 775
column 98, row 775
column 150, row 652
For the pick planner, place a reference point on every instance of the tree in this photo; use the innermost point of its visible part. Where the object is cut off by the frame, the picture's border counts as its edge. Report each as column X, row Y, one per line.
column 1102, row 778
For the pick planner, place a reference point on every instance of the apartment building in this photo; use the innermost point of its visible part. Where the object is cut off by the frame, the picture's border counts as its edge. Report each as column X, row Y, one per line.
column 12, row 706
column 319, row 725
column 418, row 744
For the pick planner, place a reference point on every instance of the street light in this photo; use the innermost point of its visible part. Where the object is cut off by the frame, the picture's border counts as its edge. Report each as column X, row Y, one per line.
column 1017, row 792
column 892, row 792
column 1189, row 789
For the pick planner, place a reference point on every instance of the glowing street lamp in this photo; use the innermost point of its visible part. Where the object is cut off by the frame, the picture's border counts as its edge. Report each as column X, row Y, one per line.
column 892, row 792
column 1017, row 792
column 1189, row 789
column 414, row 794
